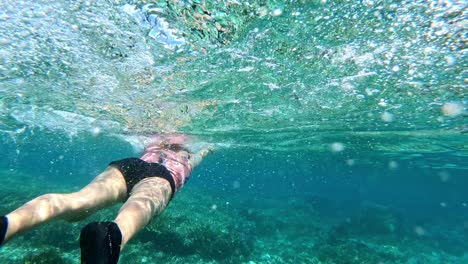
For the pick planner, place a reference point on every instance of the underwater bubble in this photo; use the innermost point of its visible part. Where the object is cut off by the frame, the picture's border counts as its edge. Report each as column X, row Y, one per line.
column 443, row 204
column 428, row 50
column 444, row 176
column 371, row 92
column 382, row 102
column 95, row 131
column 262, row 11
column 350, row 162
column 236, row 185
column 396, row 68
column 464, row 204
column 214, row 207
column 419, row 231
column 4, row 41
column 348, row 87
column 450, row 60
column 393, row 165
column 277, row 12
column 246, row 69
column 387, row 117
column 452, row 109
column 337, row 147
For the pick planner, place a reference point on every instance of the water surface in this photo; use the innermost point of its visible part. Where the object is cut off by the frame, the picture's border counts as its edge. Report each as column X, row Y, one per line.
column 339, row 126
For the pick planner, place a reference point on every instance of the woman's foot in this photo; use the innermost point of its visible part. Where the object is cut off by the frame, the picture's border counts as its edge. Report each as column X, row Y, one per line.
column 3, row 228
column 100, row 243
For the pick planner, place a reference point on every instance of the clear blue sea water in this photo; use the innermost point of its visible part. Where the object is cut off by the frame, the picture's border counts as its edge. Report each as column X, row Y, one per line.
column 339, row 127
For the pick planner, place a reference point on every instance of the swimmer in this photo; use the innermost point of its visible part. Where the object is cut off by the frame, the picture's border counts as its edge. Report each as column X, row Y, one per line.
column 145, row 185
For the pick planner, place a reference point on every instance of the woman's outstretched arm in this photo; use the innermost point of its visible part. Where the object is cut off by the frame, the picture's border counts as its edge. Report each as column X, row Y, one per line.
column 196, row 158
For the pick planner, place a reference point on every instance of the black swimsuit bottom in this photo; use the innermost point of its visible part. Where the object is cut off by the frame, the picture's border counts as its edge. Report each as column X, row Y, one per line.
column 134, row 170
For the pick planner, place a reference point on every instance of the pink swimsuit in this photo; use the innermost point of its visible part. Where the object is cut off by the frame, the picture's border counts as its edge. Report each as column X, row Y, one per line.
column 179, row 167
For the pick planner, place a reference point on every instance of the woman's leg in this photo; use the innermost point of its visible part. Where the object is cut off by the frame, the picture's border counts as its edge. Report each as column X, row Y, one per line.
column 148, row 198
column 106, row 189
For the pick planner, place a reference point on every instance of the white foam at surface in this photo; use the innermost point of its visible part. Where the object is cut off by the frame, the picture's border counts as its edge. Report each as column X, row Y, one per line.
column 452, row 109
column 57, row 120
column 122, row 78
column 160, row 29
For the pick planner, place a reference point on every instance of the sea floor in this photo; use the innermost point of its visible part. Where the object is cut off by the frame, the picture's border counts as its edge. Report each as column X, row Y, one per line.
column 206, row 227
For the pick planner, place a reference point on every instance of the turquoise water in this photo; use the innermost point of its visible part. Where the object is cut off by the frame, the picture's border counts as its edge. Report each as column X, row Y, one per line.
column 339, row 126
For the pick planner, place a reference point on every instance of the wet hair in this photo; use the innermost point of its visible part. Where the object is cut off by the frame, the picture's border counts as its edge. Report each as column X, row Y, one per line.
column 176, row 147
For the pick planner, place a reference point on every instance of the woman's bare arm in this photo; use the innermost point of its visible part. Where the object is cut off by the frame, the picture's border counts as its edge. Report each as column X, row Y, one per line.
column 196, row 158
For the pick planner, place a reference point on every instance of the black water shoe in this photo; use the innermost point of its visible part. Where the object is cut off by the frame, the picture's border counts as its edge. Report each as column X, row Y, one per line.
column 3, row 228
column 100, row 243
